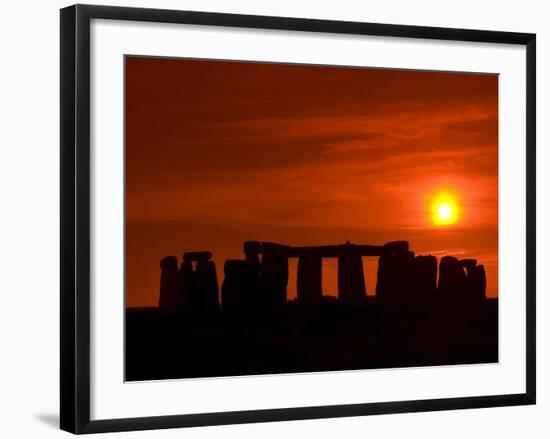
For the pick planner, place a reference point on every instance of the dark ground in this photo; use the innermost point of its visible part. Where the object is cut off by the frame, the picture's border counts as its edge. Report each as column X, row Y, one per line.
column 161, row 346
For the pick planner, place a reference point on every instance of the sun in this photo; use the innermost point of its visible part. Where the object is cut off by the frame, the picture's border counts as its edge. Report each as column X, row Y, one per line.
column 444, row 210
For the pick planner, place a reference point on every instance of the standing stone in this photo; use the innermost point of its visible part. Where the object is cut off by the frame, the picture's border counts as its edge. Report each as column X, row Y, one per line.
column 169, row 284
column 233, row 285
column 452, row 279
column 351, row 280
column 212, row 287
column 274, row 280
column 475, row 284
column 310, row 280
column 383, row 278
column 238, row 288
column 462, row 281
column 252, row 286
column 186, row 286
column 480, row 283
column 469, row 265
column 206, row 287
column 252, row 255
column 395, row 282
column 424, row 279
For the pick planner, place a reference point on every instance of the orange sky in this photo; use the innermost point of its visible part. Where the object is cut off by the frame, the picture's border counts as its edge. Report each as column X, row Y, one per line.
column 221, row 152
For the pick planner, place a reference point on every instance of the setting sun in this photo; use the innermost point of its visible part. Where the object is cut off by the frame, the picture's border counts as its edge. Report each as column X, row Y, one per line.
column 444, row 210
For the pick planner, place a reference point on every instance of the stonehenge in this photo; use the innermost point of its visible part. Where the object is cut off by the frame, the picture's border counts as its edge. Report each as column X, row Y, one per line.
column 259, row 281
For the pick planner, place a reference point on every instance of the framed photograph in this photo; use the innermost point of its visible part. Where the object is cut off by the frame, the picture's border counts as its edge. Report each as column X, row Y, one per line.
column 273, row 218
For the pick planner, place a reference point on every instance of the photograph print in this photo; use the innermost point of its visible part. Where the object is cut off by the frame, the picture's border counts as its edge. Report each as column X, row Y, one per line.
column 291, row 218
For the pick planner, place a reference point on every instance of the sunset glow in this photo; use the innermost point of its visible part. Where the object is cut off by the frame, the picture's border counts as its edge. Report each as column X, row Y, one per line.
column 444, row 210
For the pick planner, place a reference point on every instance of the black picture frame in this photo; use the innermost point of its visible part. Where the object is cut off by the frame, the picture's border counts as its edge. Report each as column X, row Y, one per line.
column 75, row 217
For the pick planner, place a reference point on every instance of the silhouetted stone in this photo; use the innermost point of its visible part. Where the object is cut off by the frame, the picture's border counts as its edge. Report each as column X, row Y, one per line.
column 273, row 248
column 423, row 279
column 452, row 279
column 236, row 287
column 395, row 247
column 468, row 264
column 197, row 256
column 169, row 284
column 480, row 282
column 274, row 277
column 262, row 282
column 351, row 280
column 475, row 284
column 205, row 289
column 462, row 281
column 186, row 286
column 394, row 284
column 252, row 258
column 334, row 251
column 251, row 249
column 309, row 280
